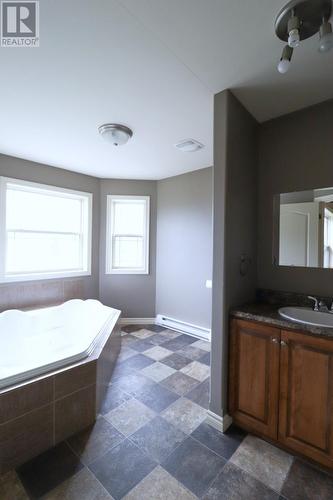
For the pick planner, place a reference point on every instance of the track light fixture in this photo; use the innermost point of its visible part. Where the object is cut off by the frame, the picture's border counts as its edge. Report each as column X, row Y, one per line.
column 299, row 20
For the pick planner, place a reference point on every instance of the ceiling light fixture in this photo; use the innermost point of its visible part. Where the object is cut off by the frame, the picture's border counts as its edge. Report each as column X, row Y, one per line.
column 116, row 134
column 189, row 146
column 299, row 20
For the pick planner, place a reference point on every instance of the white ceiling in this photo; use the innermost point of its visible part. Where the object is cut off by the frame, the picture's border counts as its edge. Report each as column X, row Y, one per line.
column 153, row 65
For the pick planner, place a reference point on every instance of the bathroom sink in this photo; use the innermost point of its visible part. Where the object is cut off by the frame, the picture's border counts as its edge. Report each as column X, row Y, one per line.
column 307, row 316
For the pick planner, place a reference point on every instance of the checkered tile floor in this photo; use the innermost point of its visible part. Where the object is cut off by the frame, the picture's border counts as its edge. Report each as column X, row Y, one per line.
column 151, row 441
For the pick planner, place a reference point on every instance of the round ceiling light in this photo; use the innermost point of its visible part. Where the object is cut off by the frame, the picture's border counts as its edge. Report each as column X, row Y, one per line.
column 116, row 134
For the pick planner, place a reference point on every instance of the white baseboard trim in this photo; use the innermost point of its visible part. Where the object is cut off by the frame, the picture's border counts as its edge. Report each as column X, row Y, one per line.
column 218, row 422
column 137, row 321
column 183, row 327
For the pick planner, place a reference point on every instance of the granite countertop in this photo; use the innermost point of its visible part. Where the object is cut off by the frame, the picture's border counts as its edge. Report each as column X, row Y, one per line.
column 267, row 313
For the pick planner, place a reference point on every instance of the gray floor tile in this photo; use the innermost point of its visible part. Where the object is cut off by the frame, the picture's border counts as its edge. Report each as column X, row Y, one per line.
column 11, row 487
column 155, row 328
column 130, row 416
column 157, row 397
column 158, row 438
column 159, row 485
column 218, row 442
column 143, row 333
column 179, row 383
column 205, row 359
column 185, row 414
column 127, row 340
column 158, row 339
column 200, row 394
column 235, row 484
column 265, row 462
column 82, row 486
column 142, row 345
column 194, row 466
column 134, row 384
column 45, row 472
column 93, row 442
column 136, row 362
column 158, row 371
column 202, row 344
column 158, row 352
column 196, row 370
column 122, row 468
column 193, row 353
column 179, row 342
column 170, row 334
column 114, row 397
column 307, row 483
column 125, row 353
column 176, row 361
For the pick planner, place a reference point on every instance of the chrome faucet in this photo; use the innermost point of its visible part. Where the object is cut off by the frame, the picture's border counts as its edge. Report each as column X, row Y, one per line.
column 316, row 302
column 319, row 305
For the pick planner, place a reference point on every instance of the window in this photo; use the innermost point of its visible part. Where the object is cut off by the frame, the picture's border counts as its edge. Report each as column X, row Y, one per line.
column 45, row 232
column 127, row 245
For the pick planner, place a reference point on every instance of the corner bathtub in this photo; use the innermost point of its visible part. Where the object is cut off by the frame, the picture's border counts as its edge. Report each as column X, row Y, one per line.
column 38, row 341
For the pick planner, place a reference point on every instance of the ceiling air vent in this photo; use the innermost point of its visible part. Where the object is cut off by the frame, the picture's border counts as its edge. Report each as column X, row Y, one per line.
column 189, row 146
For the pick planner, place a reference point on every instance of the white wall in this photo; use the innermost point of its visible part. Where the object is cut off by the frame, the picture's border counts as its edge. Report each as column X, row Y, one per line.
column 184, row 247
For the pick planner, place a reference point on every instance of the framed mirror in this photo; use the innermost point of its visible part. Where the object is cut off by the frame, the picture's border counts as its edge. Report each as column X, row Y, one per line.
column 303, row 229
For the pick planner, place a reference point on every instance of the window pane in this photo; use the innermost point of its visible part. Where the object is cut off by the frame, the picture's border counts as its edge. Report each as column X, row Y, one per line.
column 36, row 211
column 129, row 217
column 128, row 252
column 42, row 252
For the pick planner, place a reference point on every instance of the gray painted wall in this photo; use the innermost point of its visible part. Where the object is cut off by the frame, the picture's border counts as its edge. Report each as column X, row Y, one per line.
column 133, row 294
column 50, row 291
column 184, row 247
column 295, row 153
column 235, row 228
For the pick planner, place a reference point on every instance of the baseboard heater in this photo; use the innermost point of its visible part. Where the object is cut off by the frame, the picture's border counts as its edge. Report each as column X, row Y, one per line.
column 183, row 327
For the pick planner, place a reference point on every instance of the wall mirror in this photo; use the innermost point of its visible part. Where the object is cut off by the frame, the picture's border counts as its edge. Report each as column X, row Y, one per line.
column 303, row 229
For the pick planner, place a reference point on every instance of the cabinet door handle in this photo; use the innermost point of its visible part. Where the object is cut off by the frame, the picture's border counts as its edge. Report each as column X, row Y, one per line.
column 275, row 340
column 284, row 343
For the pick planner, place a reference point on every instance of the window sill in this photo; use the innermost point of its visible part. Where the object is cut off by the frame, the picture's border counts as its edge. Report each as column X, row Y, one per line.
column 41, row 277
column 128, row 272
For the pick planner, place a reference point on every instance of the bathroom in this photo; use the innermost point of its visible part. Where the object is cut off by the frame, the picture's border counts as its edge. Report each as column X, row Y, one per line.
column 165, row 253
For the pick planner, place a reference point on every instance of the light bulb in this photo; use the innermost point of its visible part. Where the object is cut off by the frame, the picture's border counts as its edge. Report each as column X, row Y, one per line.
column 294, row 39
column 284, row 63
column 283, row 66
column 326, row 37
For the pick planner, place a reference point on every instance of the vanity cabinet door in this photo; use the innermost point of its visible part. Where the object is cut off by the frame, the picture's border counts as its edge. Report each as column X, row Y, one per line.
column 254, row 376
column 306, row 396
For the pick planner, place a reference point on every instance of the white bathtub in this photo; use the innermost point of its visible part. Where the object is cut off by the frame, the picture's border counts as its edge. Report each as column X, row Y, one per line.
column 37, row 341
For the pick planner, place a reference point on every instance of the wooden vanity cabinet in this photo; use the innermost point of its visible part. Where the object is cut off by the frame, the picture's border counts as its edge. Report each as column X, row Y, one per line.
column 283, row 390
column 254, row 376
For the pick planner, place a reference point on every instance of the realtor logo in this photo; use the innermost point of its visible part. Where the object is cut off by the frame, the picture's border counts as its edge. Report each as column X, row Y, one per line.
column 20, row 23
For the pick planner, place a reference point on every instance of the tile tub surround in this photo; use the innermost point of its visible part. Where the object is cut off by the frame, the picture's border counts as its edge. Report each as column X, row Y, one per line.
column 159, row 459
column 36, row 415
column 40, row 293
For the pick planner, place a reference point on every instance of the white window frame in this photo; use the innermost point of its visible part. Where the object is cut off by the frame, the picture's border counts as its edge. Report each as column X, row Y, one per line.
column 86, row 233
column 111, row 199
